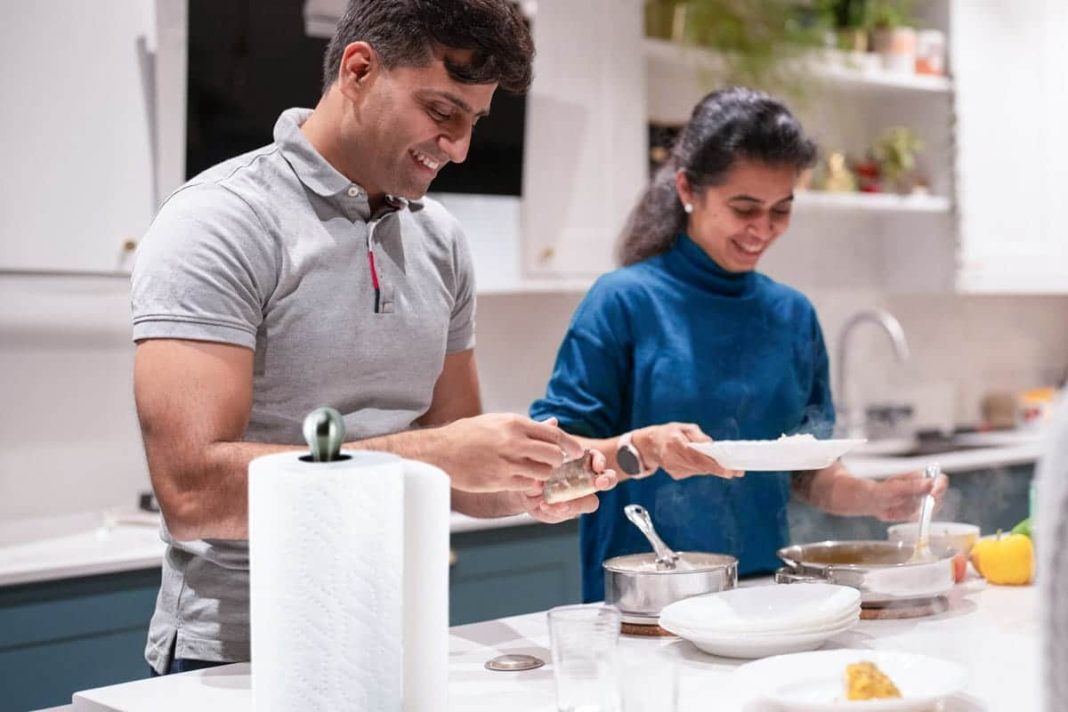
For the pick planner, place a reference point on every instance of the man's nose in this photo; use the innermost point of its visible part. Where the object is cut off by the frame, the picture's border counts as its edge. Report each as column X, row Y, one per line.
column 455, row 147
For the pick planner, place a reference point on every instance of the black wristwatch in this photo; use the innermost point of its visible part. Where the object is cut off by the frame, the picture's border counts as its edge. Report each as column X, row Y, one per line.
column 630, row 460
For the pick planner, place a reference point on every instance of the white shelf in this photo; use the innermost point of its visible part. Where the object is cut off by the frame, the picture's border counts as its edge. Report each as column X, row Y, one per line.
column 690, row 58
column 872, row 202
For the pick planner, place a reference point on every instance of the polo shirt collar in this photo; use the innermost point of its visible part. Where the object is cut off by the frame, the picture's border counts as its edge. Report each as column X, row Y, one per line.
column 316, row 173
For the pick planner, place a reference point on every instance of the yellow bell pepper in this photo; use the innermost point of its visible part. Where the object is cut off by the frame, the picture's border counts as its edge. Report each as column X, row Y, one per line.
column 1005, row 559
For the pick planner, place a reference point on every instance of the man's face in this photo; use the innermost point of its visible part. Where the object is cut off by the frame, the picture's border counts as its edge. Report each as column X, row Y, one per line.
column 414, row 121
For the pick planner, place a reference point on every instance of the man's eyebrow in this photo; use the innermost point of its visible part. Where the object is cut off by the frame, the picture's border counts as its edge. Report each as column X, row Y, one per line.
column 750, row 199
column 457, row 101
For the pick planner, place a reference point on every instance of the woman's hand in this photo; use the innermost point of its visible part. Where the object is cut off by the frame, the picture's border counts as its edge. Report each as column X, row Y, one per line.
column 898, row 498
column 533, row 501
column 667, row 447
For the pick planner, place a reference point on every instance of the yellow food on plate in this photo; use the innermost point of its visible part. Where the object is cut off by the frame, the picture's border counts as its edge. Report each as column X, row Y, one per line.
column 865, row 681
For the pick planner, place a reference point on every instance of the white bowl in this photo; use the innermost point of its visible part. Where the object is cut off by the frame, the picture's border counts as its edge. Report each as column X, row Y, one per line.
column 815, row 681
column 785, row 454
column 775, row 608
column 958, row 535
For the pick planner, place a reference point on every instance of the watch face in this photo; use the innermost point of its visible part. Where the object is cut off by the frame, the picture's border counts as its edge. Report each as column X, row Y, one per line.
column 628, row 460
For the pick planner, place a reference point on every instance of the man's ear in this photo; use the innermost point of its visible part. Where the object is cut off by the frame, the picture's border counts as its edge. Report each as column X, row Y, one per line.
column 359, row 64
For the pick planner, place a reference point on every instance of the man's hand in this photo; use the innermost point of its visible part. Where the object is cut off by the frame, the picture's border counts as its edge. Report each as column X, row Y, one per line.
column 534, row 504
column 898, row 498
column 667, row 447
column 497, row 452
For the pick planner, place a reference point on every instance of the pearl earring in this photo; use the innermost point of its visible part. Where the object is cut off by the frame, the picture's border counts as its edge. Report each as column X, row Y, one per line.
column 687, row 207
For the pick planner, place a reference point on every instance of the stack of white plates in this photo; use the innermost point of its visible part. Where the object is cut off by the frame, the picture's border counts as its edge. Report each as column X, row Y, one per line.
column 754, row 622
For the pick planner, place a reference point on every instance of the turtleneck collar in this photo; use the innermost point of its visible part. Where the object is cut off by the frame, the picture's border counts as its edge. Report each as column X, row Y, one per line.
column 690, row 263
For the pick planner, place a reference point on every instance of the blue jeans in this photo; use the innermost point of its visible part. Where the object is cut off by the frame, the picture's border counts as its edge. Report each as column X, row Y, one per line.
column 186, row 664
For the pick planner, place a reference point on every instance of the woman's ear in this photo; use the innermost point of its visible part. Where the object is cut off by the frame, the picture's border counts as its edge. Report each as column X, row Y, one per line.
column 684, row 190
column 358, row 65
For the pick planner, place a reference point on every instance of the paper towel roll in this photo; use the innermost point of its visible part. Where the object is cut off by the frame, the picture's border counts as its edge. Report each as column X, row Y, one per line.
column 349, row 583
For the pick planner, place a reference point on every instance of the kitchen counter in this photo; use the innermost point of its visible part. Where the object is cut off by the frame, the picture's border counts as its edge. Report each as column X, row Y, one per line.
column 877, row 467
column 53, row 548
column 991, row 630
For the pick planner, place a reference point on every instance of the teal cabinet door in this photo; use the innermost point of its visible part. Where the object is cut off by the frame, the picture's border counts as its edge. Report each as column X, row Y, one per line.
column 59, row 637
column 504, row 572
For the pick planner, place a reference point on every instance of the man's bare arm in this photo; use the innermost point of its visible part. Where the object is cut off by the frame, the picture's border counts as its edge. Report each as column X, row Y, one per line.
column 194, row 400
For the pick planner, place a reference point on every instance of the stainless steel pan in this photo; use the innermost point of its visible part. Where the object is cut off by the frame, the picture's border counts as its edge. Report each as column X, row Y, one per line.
column 880, row 570
column 640, row 585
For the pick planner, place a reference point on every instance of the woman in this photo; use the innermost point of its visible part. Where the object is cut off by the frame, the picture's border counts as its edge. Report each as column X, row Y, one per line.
column 687, row 331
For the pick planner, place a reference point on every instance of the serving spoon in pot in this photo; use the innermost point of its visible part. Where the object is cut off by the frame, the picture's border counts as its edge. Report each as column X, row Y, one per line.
column 922, row 552
column 639, row 517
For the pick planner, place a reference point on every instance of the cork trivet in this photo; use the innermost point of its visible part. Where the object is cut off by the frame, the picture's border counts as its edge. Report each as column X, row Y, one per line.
column 649, row 631
column 906, row 609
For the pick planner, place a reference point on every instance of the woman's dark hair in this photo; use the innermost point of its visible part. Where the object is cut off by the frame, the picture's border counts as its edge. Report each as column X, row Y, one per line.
column 726, row 126
column 403, row 33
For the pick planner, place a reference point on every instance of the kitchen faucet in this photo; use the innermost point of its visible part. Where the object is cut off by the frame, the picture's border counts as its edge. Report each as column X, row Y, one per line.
column 850, row 419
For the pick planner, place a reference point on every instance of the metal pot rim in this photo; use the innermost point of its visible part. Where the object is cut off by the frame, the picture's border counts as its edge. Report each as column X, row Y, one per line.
column 712, row 562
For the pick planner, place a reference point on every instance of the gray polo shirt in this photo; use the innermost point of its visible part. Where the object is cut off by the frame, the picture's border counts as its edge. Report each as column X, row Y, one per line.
column 273, row 251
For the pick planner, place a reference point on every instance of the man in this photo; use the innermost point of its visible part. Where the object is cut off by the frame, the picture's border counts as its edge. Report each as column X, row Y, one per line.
column 313, row 272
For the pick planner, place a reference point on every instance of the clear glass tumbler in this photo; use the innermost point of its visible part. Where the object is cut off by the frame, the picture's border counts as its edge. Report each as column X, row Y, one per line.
column 584, row 642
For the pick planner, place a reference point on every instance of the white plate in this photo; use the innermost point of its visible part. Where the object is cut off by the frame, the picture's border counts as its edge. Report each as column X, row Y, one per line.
column 774, row 608
column 761, row 646
column 846, row 620
column 815, row 682
column 798, row 452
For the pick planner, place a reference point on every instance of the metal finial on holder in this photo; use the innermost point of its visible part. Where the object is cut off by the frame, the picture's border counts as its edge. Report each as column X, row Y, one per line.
column 324, row 430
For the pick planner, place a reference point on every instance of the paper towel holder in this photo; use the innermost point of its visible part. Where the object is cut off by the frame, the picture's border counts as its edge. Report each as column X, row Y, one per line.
column 324, row 431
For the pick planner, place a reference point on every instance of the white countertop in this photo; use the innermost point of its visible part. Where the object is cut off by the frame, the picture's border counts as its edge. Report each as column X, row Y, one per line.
column 950, row 462
column 992, row 631
column 52, row 548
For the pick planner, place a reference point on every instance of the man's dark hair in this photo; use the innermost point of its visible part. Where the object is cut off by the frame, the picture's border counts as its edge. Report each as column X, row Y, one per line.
column 404, row 32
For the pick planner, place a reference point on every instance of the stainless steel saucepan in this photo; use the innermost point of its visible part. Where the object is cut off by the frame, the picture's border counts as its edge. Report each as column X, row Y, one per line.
column 880, row 570
column 640, row 585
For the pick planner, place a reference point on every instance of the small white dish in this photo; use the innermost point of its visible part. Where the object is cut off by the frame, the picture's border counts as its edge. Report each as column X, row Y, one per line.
column 786, row 454
column 775, row 608
column 815, row 681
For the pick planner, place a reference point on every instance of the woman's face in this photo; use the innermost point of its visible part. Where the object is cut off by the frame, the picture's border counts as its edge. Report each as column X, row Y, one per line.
column 736, row 221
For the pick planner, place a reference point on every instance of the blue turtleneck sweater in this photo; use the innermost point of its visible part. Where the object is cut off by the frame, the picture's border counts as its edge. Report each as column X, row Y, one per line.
column 678, row 338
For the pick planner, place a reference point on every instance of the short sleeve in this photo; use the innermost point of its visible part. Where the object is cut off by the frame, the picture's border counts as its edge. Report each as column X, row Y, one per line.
column 587, row 391
column 462, row 319
column 204, row 270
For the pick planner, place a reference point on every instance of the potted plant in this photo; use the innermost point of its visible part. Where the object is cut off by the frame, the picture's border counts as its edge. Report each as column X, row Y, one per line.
column 895, row 152
column 756, row 41
column 893, row 36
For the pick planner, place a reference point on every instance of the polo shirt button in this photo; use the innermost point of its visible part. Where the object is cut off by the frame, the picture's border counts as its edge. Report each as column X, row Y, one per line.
column 354, row 192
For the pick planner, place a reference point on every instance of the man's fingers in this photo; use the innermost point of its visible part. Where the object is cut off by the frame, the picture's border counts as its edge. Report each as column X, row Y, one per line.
column 525, row 450
column 548, row 432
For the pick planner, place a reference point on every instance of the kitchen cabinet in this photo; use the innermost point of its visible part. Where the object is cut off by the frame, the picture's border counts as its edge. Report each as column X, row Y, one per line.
column 503, row 572
column 1011, row 102
column 76, row 133
column 58, row 637
column 584, row 153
